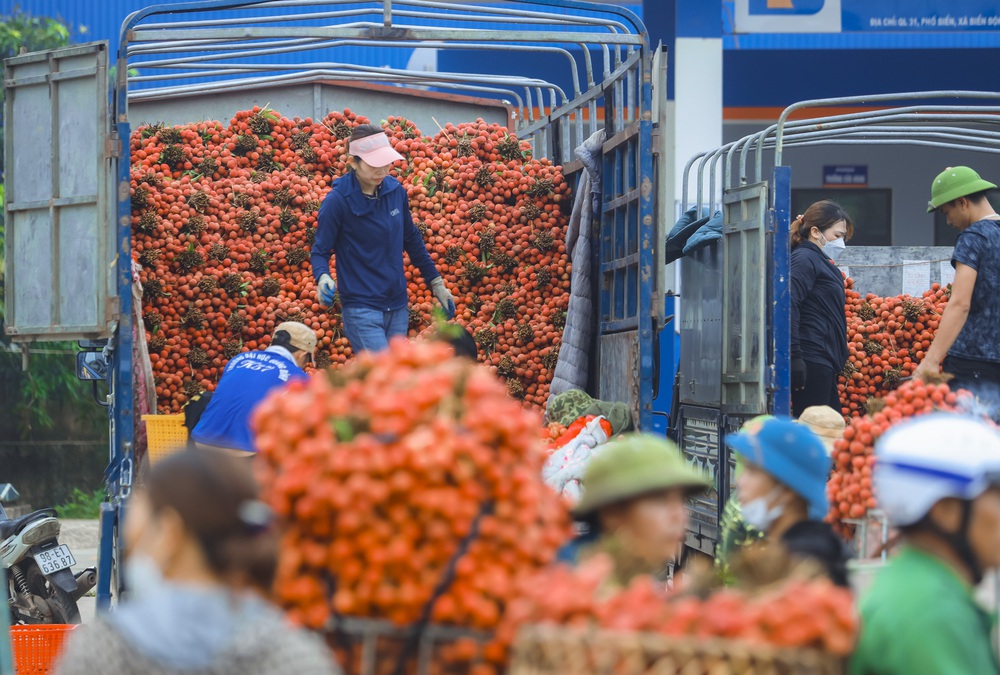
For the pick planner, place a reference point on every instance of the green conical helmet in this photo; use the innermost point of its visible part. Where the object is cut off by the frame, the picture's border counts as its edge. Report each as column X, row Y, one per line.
column 955, row 182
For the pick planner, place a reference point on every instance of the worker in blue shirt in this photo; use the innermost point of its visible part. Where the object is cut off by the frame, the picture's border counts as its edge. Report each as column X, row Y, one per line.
column 248, row 378
column 365, row 221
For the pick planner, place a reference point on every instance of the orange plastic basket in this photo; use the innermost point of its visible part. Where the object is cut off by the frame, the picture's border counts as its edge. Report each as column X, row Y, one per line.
column 165, row 434
column 36, row 648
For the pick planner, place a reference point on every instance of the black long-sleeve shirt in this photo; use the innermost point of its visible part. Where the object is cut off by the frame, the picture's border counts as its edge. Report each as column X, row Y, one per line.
column 819, row 323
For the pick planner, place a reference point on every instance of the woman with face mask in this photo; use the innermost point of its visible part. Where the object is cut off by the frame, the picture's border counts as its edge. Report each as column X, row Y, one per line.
column 818, row 321
column 782, row 492
column 201, row 556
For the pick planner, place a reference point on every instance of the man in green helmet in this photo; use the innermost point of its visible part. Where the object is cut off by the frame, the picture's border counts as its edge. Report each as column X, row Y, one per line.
column 966, row 342
column 635, row 505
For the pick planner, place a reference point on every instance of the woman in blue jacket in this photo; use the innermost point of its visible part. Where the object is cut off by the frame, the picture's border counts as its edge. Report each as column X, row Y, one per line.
column 365, row 221
column 819, row 323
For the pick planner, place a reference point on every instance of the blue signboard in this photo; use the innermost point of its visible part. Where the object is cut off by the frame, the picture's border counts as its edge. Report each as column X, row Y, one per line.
column 920, row 15
column 845, row 175
column 865, row 16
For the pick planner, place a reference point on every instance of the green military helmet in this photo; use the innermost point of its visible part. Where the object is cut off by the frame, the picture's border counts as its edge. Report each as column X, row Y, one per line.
column 955, row 182
column 634, row 465
column 568, row 406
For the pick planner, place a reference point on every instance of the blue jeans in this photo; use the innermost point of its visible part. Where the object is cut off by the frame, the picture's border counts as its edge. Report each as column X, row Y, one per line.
column 369, row 330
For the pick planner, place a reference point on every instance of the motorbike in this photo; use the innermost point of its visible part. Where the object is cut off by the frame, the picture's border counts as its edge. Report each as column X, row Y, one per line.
column 41, row 587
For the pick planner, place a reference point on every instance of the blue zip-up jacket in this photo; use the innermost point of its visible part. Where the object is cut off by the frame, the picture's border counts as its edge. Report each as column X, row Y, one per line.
column 368, row 236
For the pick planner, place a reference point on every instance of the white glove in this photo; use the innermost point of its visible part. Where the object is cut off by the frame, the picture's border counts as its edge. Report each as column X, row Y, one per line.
column 444, row 297
column 326, row 288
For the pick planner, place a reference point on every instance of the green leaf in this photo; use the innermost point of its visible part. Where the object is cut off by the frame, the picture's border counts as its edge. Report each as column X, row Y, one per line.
column 343, row 429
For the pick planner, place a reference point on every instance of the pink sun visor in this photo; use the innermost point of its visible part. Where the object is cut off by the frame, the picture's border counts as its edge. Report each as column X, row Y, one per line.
column 374, row 150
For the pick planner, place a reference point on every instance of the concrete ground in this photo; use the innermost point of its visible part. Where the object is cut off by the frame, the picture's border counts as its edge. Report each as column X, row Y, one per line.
column 82, row 537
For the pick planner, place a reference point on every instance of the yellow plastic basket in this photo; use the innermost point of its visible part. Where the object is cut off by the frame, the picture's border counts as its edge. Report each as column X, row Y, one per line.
column 166, row 434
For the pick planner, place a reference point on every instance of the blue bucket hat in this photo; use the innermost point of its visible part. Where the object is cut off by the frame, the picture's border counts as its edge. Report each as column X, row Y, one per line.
column 792, row 454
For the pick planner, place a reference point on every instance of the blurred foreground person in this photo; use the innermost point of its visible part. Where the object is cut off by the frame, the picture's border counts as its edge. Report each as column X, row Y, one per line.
column 201, row 557
column 938, row 481
column 635, row 506
column 782, row 492
column 736, row 534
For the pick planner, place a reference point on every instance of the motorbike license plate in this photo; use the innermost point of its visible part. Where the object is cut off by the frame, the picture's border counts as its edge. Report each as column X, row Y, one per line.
column 55, row 559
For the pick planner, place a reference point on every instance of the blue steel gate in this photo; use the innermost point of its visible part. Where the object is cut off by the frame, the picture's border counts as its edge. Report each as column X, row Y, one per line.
column 626, row 263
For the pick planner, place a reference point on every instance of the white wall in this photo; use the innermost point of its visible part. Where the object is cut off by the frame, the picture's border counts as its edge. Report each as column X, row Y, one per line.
column 907, row 170
column 698, row 96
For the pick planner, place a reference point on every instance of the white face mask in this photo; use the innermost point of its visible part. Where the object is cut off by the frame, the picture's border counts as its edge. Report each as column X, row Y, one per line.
column 142, row 575
column 758, row 515
column 833, row 248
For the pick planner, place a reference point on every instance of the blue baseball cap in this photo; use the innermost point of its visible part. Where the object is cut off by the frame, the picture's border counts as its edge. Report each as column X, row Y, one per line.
column 792, row 454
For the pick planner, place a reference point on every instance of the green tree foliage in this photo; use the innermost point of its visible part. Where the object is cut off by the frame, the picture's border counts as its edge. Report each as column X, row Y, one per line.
column 22, row 32
column 32, row 33
column 30, row 397
column 82, row 505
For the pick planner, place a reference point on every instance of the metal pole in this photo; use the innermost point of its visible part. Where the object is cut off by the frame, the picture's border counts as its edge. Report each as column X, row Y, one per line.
column 684, row 180
column 6, row 653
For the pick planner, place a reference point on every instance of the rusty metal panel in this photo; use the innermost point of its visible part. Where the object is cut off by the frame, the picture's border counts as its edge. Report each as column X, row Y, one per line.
column 58, row 205
column 619, row 377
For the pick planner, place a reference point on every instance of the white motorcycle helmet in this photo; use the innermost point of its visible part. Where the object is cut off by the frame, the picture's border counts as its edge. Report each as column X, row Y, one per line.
column 931, row 458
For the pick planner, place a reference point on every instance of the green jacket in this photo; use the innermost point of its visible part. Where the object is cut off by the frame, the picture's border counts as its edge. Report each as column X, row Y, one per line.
column 734, row 534
column 920, row 618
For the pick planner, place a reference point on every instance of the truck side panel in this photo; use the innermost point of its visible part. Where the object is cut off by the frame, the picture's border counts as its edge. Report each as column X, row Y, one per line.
column 57, row 254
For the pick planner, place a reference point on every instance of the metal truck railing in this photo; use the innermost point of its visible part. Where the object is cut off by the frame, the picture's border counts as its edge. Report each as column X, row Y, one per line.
column 607, row 65
column 256, row 43
column 735, row 353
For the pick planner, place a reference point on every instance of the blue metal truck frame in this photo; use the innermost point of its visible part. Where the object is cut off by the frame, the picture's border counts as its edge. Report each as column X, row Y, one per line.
column 625, row 257
column 705, row 413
